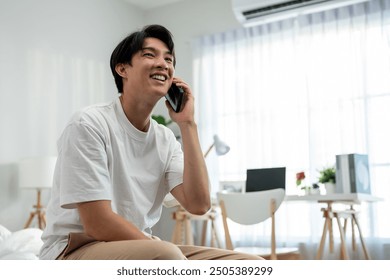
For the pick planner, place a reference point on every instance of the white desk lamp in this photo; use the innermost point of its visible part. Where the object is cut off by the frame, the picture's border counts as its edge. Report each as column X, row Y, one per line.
column 220, row 147
column 37, row 174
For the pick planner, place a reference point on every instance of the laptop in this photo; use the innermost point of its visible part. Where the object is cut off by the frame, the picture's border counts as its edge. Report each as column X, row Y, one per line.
column 265, row 179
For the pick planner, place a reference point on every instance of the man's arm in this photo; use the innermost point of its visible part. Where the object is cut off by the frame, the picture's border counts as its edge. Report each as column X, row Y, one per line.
column 193, row 194
column 101, row 223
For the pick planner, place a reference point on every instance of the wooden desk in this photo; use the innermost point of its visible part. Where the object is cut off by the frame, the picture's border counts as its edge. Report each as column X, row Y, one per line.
column 329, row 214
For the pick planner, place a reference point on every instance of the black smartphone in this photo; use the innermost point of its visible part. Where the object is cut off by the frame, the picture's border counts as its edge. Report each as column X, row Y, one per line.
column 175, row 97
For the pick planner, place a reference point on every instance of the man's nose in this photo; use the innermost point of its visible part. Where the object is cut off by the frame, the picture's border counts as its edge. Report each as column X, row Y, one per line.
column 162, row 63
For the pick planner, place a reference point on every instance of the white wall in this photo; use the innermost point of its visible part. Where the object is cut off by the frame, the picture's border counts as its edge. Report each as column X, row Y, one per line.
column 54, row 59
column 51, row 52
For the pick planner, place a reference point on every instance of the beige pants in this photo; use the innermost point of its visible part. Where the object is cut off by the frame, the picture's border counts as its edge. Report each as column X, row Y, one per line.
column 83, row 247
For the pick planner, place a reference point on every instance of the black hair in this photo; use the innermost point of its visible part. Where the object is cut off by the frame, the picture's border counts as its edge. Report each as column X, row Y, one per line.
column 133, row 43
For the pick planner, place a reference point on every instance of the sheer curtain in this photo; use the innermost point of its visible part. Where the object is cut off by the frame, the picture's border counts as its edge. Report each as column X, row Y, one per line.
column 296, row 93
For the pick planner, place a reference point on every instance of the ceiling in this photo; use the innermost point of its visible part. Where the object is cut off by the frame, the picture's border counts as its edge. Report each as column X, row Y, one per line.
column 150, row 4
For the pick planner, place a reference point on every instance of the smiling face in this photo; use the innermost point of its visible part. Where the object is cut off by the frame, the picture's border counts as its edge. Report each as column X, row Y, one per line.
column 150, row 73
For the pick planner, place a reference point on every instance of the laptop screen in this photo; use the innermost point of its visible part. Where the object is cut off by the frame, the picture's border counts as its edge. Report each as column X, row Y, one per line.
column 265, row 179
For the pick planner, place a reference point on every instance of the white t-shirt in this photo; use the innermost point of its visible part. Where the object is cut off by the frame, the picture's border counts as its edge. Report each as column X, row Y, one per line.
column 102, row 156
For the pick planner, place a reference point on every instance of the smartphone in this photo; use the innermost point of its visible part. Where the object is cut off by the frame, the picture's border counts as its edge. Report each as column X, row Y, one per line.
column 175, row 97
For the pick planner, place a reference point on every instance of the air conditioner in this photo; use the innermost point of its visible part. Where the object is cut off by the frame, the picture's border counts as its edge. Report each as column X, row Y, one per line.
column 256, row 12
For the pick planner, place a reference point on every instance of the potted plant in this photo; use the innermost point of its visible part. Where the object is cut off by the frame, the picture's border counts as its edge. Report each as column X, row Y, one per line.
column 161, row 120
column 165, row 122
column 328, row 178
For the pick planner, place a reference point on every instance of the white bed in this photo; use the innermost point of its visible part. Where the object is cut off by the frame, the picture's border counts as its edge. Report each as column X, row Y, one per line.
column 20, row 245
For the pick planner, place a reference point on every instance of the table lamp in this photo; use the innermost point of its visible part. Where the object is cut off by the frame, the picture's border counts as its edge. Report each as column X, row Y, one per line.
column 37, row 174
column 220, row 147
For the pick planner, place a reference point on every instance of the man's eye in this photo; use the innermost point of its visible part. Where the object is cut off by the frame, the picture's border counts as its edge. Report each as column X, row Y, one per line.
column 169, row 59
column 148, row 54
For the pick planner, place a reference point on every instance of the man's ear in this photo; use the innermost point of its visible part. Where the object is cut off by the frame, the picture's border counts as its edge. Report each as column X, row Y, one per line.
column 121, row 70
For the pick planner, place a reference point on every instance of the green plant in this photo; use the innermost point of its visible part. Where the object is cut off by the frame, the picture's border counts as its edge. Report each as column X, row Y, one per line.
column 161, row 120
column 327, row 175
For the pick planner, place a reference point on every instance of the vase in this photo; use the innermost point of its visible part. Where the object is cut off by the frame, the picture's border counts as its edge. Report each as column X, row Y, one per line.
column 330, row 188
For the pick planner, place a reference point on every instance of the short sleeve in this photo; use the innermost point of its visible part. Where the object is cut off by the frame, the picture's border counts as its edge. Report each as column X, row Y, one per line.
column 175, row 169
column 83, row 167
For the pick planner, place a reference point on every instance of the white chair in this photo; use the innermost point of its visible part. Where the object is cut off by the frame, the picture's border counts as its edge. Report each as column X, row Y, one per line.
column 252, row 208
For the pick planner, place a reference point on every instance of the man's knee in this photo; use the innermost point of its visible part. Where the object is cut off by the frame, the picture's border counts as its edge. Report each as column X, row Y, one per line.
column 163, row 250
column 129, row 250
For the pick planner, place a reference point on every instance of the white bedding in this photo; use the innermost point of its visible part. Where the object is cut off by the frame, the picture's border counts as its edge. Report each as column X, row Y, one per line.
column 20, row 245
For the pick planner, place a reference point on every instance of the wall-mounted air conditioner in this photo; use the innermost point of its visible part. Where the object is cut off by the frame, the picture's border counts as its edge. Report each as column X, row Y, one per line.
column 255, row 12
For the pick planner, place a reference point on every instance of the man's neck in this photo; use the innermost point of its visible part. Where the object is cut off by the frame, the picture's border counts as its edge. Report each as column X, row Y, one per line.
column 137, row 116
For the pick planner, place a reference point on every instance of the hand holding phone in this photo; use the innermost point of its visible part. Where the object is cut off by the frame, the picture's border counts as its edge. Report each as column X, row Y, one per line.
column 175, row 97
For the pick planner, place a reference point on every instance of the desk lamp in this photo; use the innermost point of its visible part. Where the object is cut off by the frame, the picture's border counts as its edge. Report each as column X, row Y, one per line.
column 37, row 174
column 220, row 147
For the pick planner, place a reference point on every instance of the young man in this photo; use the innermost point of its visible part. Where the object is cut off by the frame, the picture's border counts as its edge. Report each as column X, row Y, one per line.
column 115, row 165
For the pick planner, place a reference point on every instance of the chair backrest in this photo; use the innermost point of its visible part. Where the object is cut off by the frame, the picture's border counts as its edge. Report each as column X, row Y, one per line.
column 249, row 209
column 252, row 207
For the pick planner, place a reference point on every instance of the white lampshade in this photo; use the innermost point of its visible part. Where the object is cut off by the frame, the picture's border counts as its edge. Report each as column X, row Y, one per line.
column 220, row 147
column 37, row 172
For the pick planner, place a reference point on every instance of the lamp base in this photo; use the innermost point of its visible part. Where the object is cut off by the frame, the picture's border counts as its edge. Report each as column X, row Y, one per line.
column 39, row 212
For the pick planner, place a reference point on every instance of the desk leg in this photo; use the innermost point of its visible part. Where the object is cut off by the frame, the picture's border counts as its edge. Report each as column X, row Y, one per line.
column 328, row 215
column 345, row 226
column 323, row 238
column 353, row 235
column 214, row 233
column 214, row 240
column 361, row 238
column 344, row 252
column 204, row 232
column 177, row 233
column 188, row 232
column 330, row 228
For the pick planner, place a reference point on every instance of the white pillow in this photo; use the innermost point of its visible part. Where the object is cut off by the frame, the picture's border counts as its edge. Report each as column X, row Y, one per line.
column 4, row 233
column 23, row 241
column 19, row 256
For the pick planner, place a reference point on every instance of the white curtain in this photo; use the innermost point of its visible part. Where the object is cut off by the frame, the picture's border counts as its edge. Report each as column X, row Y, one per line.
column 296, row 93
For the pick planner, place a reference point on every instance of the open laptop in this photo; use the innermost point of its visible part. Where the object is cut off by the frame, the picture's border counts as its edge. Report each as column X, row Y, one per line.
column 265, row 179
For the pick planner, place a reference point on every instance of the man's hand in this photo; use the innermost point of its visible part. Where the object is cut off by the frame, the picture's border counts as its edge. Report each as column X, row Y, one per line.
column 186, row 115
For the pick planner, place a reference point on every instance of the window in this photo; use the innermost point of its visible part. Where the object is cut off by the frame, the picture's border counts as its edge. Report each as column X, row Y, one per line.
column 298, row 92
